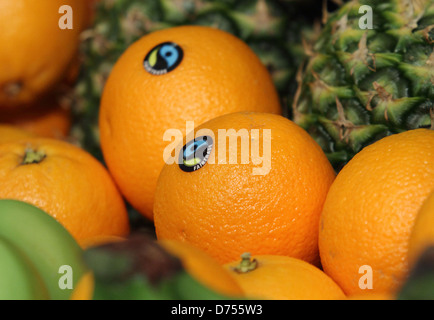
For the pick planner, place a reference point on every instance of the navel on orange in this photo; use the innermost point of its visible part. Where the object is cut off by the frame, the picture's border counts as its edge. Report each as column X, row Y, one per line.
column 169, row 77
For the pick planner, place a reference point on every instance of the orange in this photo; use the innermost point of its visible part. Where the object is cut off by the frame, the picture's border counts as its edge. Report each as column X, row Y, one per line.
column 45, row 118
column 422, row 233
column 35, row 51
column 67, row 183
column 273, row 277
column 370, row 210
column 203, row 267
column 263, row 206
column 85, row 288
column 214, row 74
column 10, row 133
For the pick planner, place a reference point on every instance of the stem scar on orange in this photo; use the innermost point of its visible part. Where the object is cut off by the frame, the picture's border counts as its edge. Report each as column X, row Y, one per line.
column 67, row 183
column 169, row 77
column 274, row 277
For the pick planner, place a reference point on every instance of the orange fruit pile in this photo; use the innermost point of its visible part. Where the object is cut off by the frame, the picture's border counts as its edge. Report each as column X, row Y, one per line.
column 194, row 139
column 213, row 73
column 59, row 178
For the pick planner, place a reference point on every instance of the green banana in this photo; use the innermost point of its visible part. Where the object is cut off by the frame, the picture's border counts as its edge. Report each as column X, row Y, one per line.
column 45, row 242
column 140, row 269
column 19, row 279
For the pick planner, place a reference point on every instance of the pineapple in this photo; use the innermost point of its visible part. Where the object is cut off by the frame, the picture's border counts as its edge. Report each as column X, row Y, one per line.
column 359, row 84
column 272, row 28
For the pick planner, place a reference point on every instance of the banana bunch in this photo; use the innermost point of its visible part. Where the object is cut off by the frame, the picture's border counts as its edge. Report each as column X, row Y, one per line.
column 39, row 259
column 139, row 269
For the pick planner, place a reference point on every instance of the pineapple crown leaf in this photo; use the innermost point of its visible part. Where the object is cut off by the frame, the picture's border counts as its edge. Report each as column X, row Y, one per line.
column 344, row 125
column 362, row 54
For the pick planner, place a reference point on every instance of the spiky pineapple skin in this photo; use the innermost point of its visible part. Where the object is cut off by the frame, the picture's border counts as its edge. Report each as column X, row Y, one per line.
column 272, row 28
column 360, row 85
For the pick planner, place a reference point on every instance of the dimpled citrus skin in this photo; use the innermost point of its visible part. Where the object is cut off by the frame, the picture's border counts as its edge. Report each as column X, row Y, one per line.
column 286, row 278
column 371, row 207
column 68, row 183
column 226, row 210
column 218, row 74
column 35, row 52
column 422, row 233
